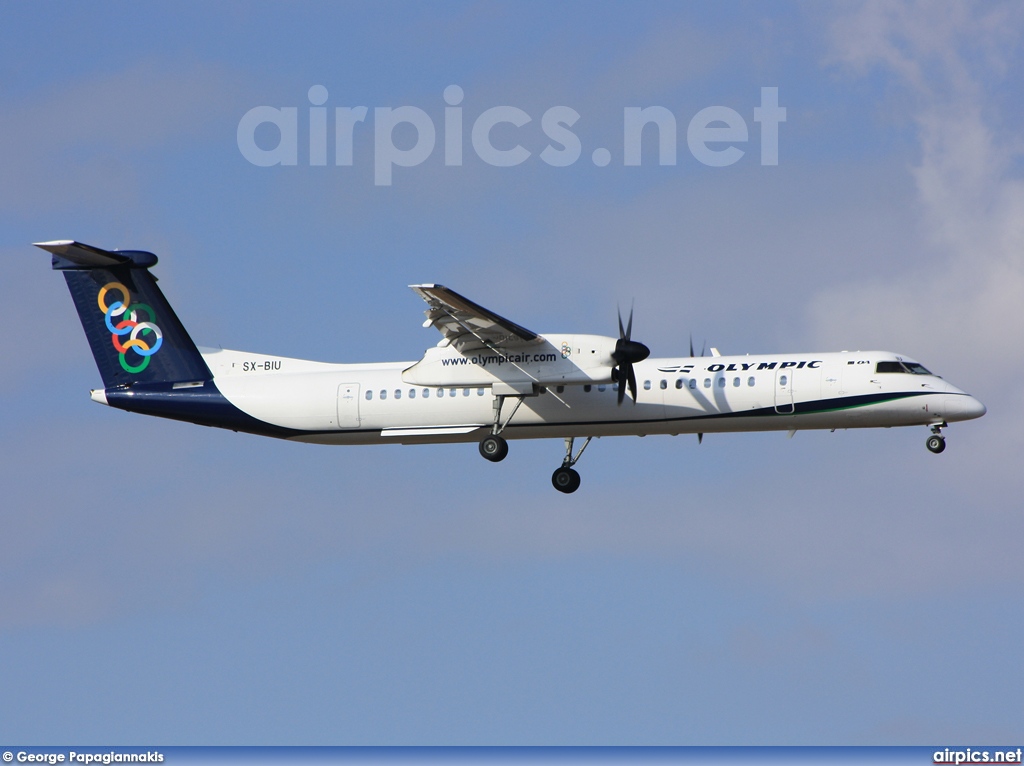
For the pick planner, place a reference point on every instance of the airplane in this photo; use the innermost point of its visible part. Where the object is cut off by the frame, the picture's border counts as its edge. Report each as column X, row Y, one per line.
column 487, row 380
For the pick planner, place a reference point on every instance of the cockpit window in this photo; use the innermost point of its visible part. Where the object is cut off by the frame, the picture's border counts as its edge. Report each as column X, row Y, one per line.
column 906, row 367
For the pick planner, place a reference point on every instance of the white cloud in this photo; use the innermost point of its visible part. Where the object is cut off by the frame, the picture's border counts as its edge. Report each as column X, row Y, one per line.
column 77, row 145
column 44, row 334
column 963, row 308
column 690, row 248
column 657, row 67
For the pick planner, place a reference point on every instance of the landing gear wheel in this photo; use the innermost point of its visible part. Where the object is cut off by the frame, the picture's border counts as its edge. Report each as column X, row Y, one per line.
column 936, row 444
column 494, row 448
column 565, row 480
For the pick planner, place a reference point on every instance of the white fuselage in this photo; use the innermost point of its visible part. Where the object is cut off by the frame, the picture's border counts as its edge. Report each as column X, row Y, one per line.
column 374, row 403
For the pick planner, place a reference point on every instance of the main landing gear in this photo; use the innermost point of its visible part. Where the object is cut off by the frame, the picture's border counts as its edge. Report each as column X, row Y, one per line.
column 493, row 447
column 566, row 479
column 936, row 442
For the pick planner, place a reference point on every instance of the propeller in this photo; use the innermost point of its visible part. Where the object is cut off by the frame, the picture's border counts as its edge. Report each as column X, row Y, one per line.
column 702, row 348
column 627, row 353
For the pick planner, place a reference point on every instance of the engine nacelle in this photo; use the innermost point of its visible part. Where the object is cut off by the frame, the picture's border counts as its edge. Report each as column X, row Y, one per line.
column 549, row 361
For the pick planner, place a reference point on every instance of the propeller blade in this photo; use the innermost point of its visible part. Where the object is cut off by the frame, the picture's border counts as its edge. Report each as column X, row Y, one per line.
column 627, row 353
column 700, row 438
column 691, row 345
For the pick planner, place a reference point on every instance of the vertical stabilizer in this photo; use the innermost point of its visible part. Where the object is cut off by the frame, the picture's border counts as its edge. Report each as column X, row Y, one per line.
column 134, row 333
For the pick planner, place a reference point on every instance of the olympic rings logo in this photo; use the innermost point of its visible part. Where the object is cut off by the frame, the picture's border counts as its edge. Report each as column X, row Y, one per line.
column 140, row 334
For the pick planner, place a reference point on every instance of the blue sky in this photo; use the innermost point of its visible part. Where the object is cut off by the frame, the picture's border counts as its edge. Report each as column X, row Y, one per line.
column 165, row 583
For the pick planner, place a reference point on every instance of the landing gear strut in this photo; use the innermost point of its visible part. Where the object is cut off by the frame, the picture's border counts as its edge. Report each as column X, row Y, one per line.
column 936, row 442
column 565, row 479
column 493, row 447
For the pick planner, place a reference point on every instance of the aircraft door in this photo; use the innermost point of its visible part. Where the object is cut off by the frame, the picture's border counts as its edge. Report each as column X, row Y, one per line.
column 784, row 392
column 348, row 405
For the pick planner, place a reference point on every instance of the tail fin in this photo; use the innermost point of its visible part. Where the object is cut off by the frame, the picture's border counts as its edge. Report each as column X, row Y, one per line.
column 134, row 333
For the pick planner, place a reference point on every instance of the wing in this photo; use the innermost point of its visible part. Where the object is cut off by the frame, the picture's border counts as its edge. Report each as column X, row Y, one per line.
column 468, row 326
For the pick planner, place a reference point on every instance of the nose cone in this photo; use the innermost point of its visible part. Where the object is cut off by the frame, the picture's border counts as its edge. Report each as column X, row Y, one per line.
column 973, row 408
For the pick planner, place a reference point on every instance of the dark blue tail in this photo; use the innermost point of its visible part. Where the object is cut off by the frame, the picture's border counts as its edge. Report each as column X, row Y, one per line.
column 134, row 333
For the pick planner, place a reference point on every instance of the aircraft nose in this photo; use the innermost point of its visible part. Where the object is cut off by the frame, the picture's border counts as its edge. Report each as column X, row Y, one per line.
column 973, row 408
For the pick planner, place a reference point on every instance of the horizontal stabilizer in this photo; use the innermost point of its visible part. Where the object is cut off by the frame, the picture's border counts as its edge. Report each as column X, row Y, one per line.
column 78, row 255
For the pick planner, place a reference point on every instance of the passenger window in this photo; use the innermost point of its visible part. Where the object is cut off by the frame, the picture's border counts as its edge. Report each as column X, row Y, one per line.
column 560, row 389
column 735, row 382
column 693, row 383
column 465, row 392
column 412, row 393
column 383, row 394
column 369, row 394
column 664, row 384
column 750, row 381
column 587, row 388
column 426, row 393
column 451, row 391
column 601, row 388
column 440, row 393
column 707, row 382
column 679, row 382
column 647, row 385
column 721, row 382
column 479, row 392
column 783, row 380
column 398, row 393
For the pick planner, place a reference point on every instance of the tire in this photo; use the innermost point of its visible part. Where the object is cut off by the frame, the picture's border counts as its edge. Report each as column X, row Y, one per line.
column 565, row 480
column 936, row 444
column 494, row 448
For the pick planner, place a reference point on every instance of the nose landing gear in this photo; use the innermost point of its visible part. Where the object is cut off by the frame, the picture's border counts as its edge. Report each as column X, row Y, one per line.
column 936, row 442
